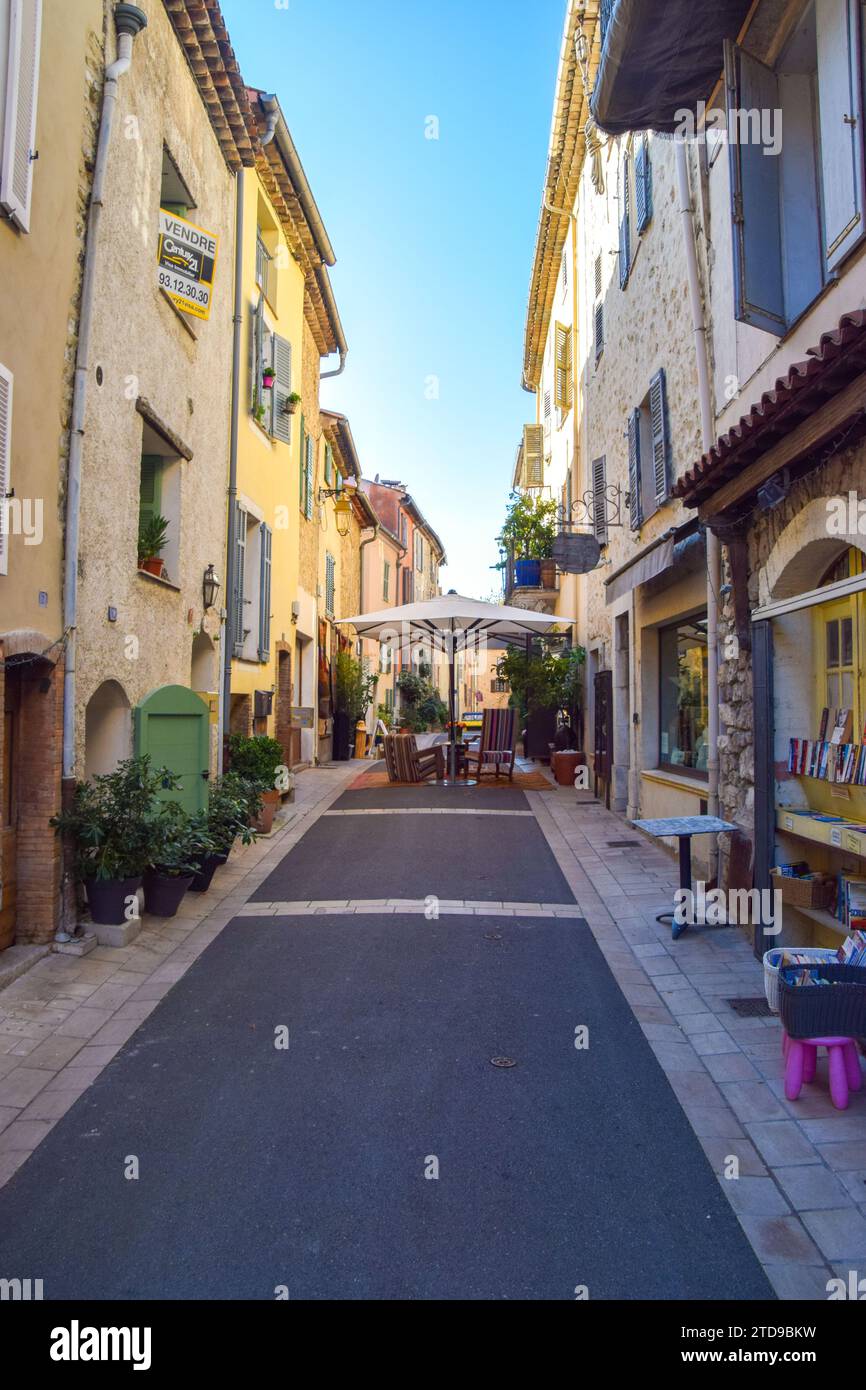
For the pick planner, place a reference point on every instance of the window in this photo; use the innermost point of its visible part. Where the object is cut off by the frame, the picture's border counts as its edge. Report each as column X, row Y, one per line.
column 263, row 265
column 330, row 583
column 683, row 703
column 386, row 582
column 408, row 586
column 797, row 203
column 839, row 665
column 174, row 195
column 643, row 184
column 269, row 405
column 649, row 463
column 499, row 686
column 329, row 466
column 563, row 368
column 5, row 464
column 19, row 85
column 598, row 327
column 265, row 541
column 159, row 497
column 599, row 499
column 404, row 529
column 419, row 551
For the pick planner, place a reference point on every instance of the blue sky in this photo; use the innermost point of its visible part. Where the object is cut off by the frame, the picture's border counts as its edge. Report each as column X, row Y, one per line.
column 434, row 238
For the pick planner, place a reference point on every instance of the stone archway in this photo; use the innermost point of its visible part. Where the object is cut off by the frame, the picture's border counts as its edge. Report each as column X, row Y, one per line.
column 107, row 729
column 802, row 553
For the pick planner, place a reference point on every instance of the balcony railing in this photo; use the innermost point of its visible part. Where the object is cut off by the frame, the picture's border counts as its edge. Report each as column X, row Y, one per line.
column 530, row 574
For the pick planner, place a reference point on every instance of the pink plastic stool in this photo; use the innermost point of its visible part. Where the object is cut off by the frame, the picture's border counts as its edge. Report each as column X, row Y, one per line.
column 801, row 1058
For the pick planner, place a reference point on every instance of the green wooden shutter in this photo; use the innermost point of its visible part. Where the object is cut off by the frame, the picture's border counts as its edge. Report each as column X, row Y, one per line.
column 624, row 227
column 281, row 421
column 265, row 593
column 308, row 480
column 150, row 493
column 634, row 469
column 330, row 582
column 241, row 542
column 302, row 453
column 660, row 439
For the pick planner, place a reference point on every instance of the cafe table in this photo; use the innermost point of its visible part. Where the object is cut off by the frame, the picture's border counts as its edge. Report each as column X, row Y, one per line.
column 682, row 828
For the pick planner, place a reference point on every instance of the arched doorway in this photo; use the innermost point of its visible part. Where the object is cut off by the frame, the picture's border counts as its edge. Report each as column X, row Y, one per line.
column 202, row 675
column 171, row 725
column 107, row 729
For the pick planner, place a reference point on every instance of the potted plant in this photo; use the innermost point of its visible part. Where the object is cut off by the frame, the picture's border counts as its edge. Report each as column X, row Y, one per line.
column 291, row 403
column 109, row 824
column 256, row 760
column 528, row 536
column 269, row 376
column 151, row 539
column 178, row 842
column 542, row 683
column 355, row 687
column 230, row 804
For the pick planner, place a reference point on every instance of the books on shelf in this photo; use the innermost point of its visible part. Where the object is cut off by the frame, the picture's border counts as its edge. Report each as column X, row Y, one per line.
column 835, row 759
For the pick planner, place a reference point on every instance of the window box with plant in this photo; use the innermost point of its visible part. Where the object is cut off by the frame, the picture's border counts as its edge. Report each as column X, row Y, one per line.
column 152, row 532
column 291, row 403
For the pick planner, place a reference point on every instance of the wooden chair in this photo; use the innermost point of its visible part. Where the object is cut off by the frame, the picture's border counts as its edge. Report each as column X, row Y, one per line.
column 496, row 746
column 406, row 764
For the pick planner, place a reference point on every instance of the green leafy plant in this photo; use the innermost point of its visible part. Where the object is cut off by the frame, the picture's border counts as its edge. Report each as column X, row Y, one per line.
column 256, row 759
column 152, row 532
column 110, row 820
column 232, row 803
column 530, row 527
column 544, row 680
column 178, row 841
column 421, row 704
column 355, row 686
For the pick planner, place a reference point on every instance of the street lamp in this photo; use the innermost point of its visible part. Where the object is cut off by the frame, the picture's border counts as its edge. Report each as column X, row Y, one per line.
column 210, row 586
column 342, row 495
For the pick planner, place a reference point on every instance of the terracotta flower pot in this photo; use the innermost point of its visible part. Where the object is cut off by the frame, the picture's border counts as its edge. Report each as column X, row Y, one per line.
column 163, row 893
column 107, row 899
column 264, row 821
column 155, row 565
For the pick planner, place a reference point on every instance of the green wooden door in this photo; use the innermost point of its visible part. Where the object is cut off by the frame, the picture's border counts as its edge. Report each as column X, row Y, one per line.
column 171, row 724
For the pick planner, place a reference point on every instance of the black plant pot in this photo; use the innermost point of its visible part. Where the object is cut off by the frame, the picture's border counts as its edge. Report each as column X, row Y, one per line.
column 207, row 869
column 540, row 733
column 107, row 897
column 163, row 892
column 342, row 737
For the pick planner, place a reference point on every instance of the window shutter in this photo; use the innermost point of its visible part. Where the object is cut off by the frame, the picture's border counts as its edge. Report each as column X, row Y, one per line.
column 386, row 581
column 150, row 492
column 634, row 469
column 329, row 465
column 759, row 293
column 5, row 463
column 241, row 542
column 265, row 593
column 599, row 499
column 599, row 330
column 643, row 184
column 19, row 120
column 329, row 582
column 533, row 456
column 302, row 455
column 563, row 367
column 624, row 229
column 597, row 276
column 660, row 440
column 256, row 355
column 308, row 480
column 564, row 270
column 281, row 422
column 840, row 104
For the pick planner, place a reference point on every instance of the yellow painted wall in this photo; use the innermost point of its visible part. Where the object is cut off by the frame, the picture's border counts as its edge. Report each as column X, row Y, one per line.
column 268, row 468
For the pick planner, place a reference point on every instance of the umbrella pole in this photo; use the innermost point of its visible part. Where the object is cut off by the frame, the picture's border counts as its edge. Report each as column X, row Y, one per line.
column 452, row 748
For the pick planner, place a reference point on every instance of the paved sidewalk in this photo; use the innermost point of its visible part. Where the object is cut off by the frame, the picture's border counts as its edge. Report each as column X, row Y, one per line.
column 67, row 1017
column 801, row 1193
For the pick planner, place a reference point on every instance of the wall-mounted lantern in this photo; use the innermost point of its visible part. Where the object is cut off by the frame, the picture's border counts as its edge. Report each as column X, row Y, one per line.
column 210, row 587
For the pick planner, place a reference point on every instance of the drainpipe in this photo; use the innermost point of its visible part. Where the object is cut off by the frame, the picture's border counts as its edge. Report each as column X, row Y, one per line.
column 232, row 491
column 129, row 21
column 707, row 441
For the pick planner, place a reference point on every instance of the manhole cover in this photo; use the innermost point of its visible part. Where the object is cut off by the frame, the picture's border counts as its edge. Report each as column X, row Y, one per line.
column 502, row 1062
column 623, row 844
column 751, row 1008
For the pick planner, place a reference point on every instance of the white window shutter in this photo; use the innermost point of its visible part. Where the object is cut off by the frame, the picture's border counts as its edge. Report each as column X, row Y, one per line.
column 5, row 463
column 841, row 116
column 281, row 422
column 19, row 124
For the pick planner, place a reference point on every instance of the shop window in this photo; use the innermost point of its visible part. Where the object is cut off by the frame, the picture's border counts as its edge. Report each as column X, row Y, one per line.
column 683, row 702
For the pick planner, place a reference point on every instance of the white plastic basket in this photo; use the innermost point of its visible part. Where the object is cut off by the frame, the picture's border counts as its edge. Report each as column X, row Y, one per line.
column 772, row 960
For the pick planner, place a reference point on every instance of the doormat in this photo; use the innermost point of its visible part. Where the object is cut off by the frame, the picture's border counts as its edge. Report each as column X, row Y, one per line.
column 524, row 781
column 751, row 1008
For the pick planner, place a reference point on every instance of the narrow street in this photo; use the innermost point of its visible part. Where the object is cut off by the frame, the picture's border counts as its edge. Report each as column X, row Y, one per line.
column 260, row 1166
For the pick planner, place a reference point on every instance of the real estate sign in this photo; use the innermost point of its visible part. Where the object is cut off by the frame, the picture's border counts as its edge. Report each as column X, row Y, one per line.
column 186, row 260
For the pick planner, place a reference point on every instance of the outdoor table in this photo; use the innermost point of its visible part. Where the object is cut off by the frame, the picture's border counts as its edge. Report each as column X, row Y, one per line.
column 683, row 828
column 460, row 767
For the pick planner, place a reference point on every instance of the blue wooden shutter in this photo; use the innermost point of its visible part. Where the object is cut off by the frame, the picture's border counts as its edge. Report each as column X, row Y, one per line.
column 599, row 499
column 624, row 228
column 634, row 469
column 660, row 437
column 759, row 291
column 281, row 422
column 599, row 330
column 241, row 553
column 643, row 184
column 265, row 593
column 840, row 103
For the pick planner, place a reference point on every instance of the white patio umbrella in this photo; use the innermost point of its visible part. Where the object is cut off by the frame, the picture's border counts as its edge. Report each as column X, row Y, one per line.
column 455, row 624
